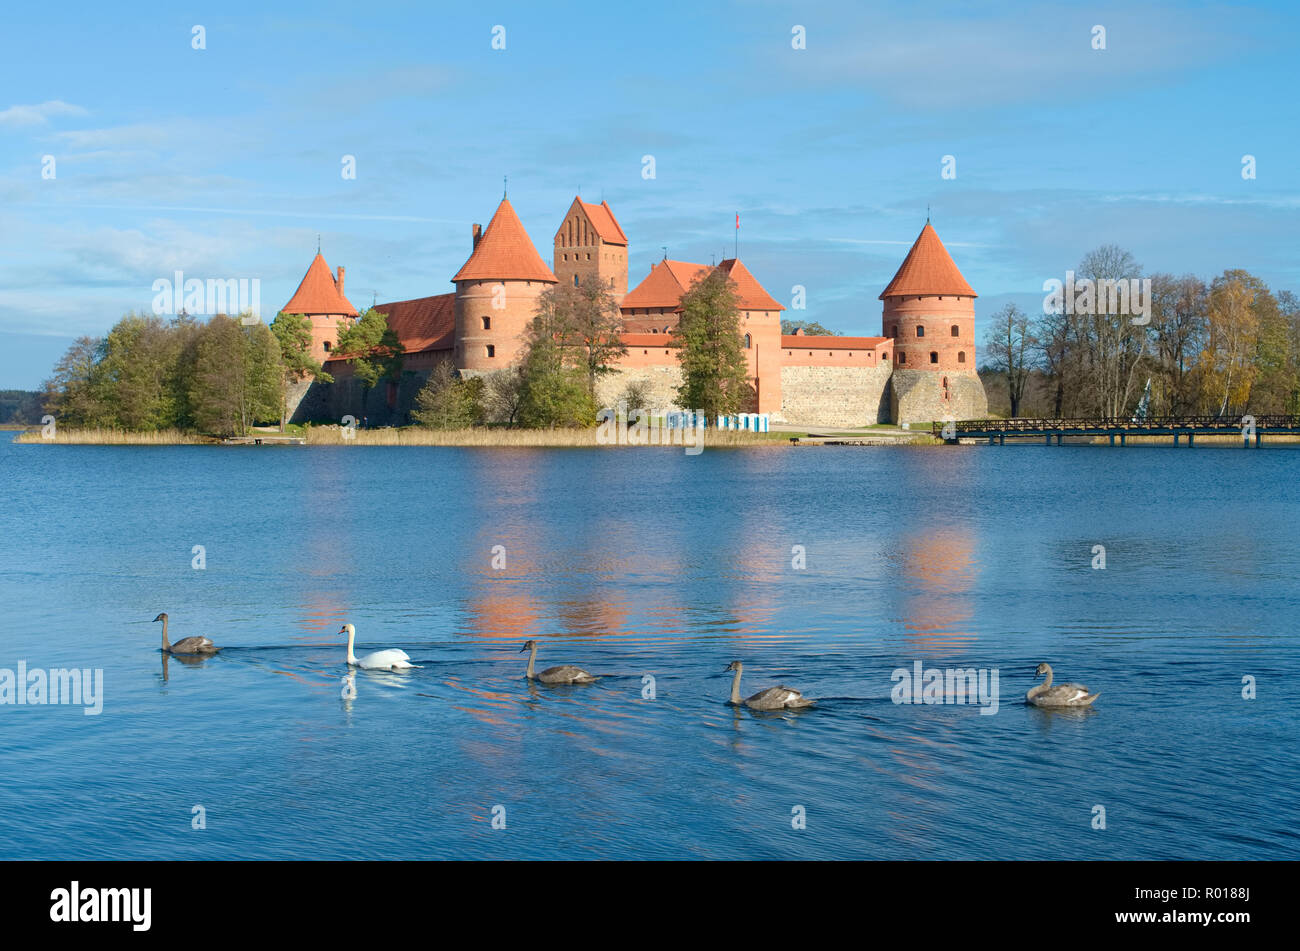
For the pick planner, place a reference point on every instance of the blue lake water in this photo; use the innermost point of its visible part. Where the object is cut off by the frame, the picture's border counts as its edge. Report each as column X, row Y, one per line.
column 635, row 562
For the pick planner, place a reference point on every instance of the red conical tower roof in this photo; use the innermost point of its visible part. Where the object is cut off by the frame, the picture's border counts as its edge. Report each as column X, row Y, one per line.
column 318, row 293
column 927, row 271
column 505, row 252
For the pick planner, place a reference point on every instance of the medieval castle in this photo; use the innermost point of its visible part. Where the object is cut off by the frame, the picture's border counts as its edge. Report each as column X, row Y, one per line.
column 921, row 369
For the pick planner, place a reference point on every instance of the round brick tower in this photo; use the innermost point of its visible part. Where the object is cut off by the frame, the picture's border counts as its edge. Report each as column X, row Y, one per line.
column 320, row 299
column 929, row 310
column 496, row 293
column 929, row 313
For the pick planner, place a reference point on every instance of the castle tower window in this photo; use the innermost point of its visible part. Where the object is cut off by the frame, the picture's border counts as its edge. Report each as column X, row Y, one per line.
column 961, row 356
column 491, row 350
column 575, row 280
column 902, row 358
column 749, row 341
column 934, row 357
column 920, row 331
column 956, row 331
column 487, row 323
column 327, row 346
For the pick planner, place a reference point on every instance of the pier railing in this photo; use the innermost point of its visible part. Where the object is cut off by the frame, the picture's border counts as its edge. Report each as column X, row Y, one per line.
column 1249, row 427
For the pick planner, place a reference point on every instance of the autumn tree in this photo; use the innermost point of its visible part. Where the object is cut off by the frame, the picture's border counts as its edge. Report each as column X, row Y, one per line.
column 587, row 320
column 75, row 393
column 1232, row 336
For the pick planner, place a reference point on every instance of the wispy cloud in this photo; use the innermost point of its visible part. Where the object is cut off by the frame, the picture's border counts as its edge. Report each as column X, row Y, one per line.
column 39, row 114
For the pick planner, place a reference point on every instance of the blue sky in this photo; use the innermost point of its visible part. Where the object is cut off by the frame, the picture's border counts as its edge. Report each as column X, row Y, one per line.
column 225, row 162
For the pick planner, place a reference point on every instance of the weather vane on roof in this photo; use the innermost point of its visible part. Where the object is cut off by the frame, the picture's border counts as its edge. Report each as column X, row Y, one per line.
column 505, row 186
column 927, row 213
column 318, row 244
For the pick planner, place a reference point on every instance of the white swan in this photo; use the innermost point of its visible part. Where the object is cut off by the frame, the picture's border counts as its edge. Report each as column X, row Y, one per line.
column 391, row 659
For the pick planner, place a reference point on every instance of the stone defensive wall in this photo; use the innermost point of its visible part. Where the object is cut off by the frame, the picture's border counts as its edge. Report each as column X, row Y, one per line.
column 835, row 395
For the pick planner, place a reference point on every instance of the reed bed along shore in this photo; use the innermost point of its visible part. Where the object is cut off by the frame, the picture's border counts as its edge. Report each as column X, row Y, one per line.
column 398, row 436
column 110, row 437
column 522, row 438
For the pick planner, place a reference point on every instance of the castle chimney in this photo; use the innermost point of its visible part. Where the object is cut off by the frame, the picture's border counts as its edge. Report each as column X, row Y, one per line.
column 477, row 232
column 340, row 280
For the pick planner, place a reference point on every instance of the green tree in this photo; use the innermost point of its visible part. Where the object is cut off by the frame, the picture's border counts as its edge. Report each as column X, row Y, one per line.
column 715, row 377
column 448, row 401
column 372, row 348
column 264, row 373
column 554, row 390
column 293, row 334
column 138, row 373
column 236, row 377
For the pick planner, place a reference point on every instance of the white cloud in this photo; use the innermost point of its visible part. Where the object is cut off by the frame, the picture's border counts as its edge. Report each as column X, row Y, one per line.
column 39, row 114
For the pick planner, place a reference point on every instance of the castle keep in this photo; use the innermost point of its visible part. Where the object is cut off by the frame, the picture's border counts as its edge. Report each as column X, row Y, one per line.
column 921, row 369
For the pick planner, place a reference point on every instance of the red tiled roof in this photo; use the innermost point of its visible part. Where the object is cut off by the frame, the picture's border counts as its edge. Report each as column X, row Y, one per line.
column 927, row 270
column 603, row 220
column 669, row 280
column 426, row 323
column 664, row 285
column 749, row 293
column 505, row 252
column 826, row 342
column 318, row 293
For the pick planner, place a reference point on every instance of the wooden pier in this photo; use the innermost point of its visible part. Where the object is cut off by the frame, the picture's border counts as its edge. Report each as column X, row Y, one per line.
column 264, row 441
column 1251, row 429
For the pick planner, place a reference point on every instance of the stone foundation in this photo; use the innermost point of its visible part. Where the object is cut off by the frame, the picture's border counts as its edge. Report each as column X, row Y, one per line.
column 917, row 396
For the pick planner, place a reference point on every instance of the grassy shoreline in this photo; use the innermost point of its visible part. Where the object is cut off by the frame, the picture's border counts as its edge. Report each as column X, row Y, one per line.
column 398, row 436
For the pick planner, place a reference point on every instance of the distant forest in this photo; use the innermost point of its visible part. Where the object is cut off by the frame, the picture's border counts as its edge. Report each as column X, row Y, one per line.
column 19, row 408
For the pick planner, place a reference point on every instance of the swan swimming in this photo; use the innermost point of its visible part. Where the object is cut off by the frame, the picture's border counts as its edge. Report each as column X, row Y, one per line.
column 563, row 674
column 773, row 698
column 1062, row 695
column 188, row 645
column 391, row 659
